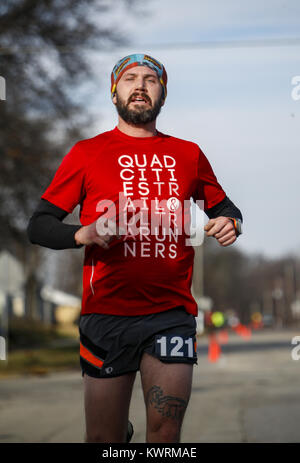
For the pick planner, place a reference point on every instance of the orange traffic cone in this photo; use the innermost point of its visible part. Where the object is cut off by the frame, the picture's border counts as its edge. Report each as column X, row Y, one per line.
column 237, row 328
column 214, row 349
column 257, row 325
column 243, row 331
column 223, row 337
column 246, row 332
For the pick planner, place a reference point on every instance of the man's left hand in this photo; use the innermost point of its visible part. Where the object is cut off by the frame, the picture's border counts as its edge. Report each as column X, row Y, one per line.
column 222, row 229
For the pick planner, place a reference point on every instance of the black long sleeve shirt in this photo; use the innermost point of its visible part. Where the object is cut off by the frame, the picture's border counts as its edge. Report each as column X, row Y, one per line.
column 47, row 229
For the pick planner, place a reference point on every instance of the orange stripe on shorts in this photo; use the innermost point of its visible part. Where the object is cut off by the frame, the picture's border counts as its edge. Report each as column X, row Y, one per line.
column 87, row 355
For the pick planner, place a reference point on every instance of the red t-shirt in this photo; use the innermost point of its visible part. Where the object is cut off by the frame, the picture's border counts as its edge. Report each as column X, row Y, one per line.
column 149, row 271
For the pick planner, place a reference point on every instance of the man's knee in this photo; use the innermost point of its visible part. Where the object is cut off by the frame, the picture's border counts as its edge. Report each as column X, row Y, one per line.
column 165, row 415
column 164, row 430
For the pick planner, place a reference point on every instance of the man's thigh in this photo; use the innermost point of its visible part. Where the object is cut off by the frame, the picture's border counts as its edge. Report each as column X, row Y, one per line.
column 167, row 389
column 106, row 402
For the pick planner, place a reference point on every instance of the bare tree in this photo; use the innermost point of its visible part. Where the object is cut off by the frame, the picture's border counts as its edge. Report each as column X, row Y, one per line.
column 248, row 283
column 43, row 59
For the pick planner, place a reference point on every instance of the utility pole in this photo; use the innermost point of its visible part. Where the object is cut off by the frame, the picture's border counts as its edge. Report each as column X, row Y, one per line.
column 290, row 290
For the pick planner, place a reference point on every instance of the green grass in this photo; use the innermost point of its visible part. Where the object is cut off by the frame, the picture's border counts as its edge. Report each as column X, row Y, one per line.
column 31, row 334
column 40, row 361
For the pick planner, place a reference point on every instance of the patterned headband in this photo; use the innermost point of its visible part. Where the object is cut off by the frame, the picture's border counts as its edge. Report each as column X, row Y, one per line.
column 138, row 60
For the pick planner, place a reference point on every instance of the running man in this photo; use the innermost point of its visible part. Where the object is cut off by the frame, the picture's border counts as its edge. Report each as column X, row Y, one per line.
column 138, row 313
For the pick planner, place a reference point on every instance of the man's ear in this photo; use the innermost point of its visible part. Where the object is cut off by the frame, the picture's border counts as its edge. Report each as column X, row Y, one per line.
column 114, row 99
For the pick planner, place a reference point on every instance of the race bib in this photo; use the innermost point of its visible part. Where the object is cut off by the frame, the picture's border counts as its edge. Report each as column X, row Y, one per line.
column 175, row 346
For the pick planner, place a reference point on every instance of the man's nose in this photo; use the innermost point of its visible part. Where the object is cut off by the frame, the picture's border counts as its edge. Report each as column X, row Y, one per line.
column 140, row 83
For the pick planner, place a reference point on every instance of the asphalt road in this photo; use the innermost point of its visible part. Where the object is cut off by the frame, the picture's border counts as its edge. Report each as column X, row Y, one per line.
column 252, row 394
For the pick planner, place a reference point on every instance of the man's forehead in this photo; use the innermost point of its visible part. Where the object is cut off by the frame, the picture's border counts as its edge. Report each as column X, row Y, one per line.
column 140, row 70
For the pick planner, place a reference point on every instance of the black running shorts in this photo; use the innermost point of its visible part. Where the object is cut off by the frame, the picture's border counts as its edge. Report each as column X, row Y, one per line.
column 112, row 345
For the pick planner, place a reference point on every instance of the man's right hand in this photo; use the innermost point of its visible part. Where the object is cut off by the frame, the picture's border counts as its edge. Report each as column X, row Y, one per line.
column 98, row 232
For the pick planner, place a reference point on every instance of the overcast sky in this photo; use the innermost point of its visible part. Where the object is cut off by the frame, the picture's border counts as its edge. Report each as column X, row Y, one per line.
column 234, row 101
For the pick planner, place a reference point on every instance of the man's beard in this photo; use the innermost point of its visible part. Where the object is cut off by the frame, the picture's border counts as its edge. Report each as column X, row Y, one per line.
column 139, row 115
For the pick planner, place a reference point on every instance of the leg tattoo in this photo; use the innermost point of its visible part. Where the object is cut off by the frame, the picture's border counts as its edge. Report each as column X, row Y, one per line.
column 169, row 406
